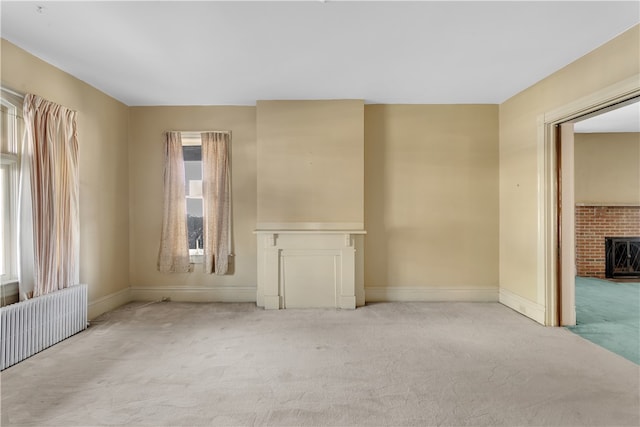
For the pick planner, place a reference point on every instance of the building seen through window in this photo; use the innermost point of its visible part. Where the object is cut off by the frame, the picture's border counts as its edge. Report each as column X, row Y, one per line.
column 193, row 182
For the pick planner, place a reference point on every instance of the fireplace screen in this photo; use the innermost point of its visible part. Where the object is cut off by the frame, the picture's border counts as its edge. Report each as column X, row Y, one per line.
column 622, row 257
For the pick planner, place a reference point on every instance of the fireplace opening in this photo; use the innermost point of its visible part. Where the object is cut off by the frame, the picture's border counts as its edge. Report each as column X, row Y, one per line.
column 622, row 257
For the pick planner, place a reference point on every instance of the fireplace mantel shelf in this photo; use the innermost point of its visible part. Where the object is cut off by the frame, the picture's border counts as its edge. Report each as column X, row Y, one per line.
column 309, row 232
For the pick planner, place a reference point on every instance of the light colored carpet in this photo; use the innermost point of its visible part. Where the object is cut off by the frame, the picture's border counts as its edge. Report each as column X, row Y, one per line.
column 608, row 314
column 182, row 364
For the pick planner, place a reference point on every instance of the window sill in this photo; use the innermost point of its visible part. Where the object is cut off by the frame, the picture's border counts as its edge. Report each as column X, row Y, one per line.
column 9, row 292
column 196, row 258
column 9, row 282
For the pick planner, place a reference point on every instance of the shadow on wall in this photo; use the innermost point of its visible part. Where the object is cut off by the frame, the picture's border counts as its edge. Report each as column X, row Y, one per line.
column 376, row 243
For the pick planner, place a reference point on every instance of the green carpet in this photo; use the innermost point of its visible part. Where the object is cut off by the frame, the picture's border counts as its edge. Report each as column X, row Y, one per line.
column 608, row 314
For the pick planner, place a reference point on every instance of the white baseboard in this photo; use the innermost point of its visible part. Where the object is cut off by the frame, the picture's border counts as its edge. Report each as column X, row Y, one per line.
column 195, row 294
column 384, row 294
column 522, row 305
column 108, row 303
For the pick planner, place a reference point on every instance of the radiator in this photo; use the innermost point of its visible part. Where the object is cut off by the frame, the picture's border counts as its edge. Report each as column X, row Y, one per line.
column 31, row 326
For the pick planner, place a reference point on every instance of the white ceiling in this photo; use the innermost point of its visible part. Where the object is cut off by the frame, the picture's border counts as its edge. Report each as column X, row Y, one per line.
column 234, row 53
column 623, row 119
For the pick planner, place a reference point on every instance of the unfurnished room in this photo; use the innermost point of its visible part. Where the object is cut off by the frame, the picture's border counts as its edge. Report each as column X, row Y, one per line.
column 320, row 213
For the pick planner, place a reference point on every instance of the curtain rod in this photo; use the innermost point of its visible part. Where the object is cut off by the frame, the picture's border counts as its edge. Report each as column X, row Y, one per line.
column 12, row 92
column 22, row 95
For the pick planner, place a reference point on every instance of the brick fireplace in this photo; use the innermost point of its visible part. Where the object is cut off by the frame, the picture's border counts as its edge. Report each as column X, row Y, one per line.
column 594, row 223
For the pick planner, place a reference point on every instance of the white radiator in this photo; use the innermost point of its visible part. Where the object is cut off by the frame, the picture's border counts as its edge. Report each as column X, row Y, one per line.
column 31, row 326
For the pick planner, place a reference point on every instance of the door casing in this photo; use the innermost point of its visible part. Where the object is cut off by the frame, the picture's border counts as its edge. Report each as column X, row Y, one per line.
column 553, row 284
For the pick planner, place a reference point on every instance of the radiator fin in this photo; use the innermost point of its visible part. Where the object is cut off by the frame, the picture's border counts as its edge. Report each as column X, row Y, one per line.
column 29, row 327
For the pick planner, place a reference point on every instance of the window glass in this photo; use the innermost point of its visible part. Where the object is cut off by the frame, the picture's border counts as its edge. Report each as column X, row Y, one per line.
column 4, row 203
column 193, row 183
column 7, row 221
column 10, row 129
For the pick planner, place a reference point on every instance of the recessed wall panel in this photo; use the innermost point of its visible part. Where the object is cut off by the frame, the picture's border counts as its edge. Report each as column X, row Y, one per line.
column 309, row 280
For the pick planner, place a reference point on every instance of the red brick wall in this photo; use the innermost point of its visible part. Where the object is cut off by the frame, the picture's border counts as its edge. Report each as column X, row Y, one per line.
column 593, row 224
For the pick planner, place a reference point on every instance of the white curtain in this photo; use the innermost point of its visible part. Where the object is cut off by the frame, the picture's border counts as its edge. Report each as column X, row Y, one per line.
column 174, row 244
column 216, row 190
column 25, row 226
column 49, row 239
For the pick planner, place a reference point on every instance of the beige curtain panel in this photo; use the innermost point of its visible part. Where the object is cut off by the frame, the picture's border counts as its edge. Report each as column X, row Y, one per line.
column 174, row 244
column 51, row 148
column 216, row 190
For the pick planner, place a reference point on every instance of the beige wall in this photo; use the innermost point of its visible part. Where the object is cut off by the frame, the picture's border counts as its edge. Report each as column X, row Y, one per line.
column 431, row 196
column 607, row 168
column 431, row 190
column 103, row 161
column 613, row 62
column 147, row 125
column 310, row 162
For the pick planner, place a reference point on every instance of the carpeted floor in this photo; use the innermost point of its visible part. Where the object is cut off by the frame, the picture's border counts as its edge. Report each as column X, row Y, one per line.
column 608, row 314
column 447, row 364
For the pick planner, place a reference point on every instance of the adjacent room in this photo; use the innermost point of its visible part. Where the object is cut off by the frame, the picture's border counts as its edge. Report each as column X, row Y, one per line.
column 607, row 194
column 318, row 213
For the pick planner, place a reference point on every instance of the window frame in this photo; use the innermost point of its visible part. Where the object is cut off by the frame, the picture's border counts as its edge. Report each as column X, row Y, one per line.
column 9, row 168
column 5, row 207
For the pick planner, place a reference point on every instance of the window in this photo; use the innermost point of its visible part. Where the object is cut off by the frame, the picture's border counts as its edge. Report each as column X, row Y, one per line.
column 196, row 223
column 192, row 155
column 10, row 127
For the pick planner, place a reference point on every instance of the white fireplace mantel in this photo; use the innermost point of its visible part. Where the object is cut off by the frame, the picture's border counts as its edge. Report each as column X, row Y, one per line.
column 309, row 268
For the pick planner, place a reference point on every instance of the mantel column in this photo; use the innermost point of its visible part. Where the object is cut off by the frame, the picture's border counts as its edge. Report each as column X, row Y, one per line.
column 272, row 299
column 347, row 295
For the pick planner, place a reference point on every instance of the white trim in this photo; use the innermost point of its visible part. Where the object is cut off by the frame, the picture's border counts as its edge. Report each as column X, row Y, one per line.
column 599, row 100
column 406, row 294
column 195, row 294
column 543, row 201
column 12, row 92
column 286, row 279
column 332, row 226
column 522, row 305
column 108, row 303
column 311, row 232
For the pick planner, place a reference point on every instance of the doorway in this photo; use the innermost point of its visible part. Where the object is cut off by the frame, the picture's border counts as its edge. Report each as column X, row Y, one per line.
column 606, row 193
column 556, row 198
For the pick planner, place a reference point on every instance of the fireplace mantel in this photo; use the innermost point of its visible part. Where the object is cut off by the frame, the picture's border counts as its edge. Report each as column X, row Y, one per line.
column 310, row 268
